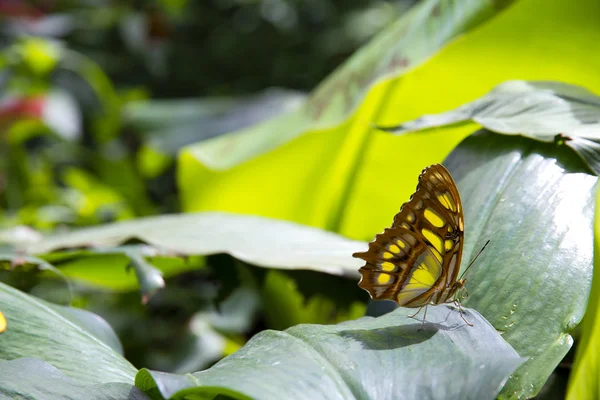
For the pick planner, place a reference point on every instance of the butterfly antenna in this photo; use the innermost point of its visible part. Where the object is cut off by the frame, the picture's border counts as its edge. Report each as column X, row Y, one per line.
column 469, row 266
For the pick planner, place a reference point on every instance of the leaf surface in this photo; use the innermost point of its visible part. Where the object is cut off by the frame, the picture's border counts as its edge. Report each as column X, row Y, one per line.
column 535, row 202
column 540, row 110
column 35, row 379
column 77, row 343
column 260, row 241
column 369, row 358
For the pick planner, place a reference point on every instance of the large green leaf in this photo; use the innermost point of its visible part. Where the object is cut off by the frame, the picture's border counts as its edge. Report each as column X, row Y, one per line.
column 168, row 125
column 535, row 202
column 28, row 378
column 541, row 110
column 260, row 241
column 332, row 177
column 409, row 41
column 60, row 337
column 305, row 168
column 369, row 358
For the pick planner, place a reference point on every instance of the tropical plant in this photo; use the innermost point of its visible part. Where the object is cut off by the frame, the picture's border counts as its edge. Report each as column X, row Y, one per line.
column 274, row 211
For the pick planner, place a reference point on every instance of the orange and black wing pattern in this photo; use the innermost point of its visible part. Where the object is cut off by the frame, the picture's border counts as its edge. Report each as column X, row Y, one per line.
column 417, row 260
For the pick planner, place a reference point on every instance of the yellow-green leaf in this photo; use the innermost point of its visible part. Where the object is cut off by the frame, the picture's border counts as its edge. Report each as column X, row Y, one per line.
column 332, row 176
column 584, row 382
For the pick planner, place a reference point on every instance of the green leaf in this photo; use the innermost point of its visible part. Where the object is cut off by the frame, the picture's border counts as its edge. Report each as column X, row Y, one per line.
column 28, row 378
column 103, row 270
column 308, row 163
column 14, row 260
column 535, row 202
column 109, row 267
column 39, row 56
column 11, row 260
column 169, row 125
column 150, row 278
column 583, row 383
column 352, row 180
column 60, row 337
column 298, row 297
column 416, row 36
column 369, row 358
column 260, row 241
column 540, row 110
column 92, row 323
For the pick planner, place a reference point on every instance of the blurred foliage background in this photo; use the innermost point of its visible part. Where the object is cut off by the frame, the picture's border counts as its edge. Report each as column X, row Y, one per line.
column 97, row 97
column 85, row 88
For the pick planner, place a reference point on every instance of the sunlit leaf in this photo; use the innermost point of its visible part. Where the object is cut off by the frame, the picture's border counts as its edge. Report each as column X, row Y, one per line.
column 337, row 174
column 584, row 383
column 19, row 236
column 409, row 41
column 541, row 110
column 307, row 162
column 110, row 267
column 38, row 55
column 370, row 358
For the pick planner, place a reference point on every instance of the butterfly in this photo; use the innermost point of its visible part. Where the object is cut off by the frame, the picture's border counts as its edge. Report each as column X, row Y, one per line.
column 416, row 262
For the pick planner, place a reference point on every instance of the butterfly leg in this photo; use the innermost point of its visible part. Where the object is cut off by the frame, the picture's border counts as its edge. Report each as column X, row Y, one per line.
column 457, row 303
column 424, row 316
column 415, row 314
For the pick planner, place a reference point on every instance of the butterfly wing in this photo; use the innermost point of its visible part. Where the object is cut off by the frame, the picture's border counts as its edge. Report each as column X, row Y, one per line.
column 417, row 260
column 399, row 267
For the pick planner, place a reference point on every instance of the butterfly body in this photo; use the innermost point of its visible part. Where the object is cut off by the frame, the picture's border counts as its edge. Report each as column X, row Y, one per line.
column 416, row 262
